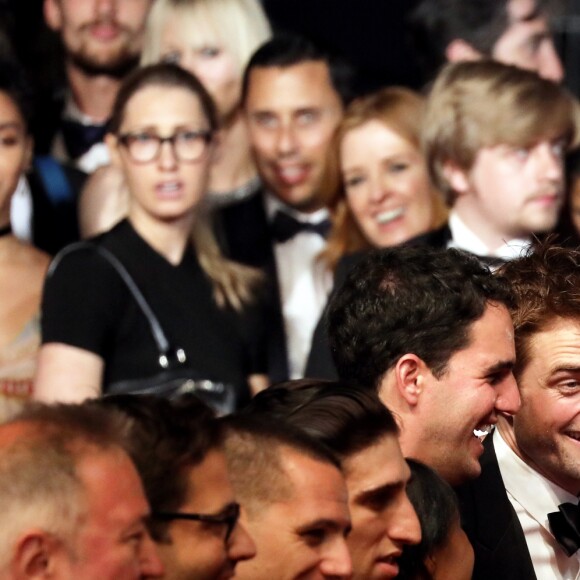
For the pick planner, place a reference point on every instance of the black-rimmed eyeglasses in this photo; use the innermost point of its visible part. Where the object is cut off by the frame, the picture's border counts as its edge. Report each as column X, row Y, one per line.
column 228, row 517
column 187, row 145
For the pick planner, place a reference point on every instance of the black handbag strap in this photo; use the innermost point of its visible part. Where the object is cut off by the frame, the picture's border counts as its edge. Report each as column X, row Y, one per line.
column 159, row 336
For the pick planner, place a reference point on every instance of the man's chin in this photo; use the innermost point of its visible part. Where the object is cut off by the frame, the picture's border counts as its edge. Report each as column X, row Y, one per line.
column 116, row 65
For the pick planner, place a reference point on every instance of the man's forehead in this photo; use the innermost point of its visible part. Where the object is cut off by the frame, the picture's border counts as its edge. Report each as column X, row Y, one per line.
column 378, row 465
column 290, row 84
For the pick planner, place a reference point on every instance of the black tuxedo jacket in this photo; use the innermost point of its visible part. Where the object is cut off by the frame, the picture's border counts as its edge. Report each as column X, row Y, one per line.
column 490, row 522
column 245, row 237
column 319, row 364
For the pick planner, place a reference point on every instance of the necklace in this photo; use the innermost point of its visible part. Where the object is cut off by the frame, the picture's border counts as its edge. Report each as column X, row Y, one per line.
column 5, row 230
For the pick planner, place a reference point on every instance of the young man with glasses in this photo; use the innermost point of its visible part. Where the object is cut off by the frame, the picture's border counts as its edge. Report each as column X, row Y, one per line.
column 177, row 448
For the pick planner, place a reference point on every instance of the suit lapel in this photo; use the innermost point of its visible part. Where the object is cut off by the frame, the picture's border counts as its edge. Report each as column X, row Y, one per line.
column 501, row 552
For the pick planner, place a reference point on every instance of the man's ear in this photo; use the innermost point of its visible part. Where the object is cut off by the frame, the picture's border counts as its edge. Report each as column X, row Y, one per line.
column 410, row 374
column 52, row 14
column 36, row 555
column 456, row 177
column 459, row 50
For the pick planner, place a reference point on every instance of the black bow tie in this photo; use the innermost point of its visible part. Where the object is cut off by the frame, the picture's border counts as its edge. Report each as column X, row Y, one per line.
column 284, row 227
column 565, row 525
column 79, row 138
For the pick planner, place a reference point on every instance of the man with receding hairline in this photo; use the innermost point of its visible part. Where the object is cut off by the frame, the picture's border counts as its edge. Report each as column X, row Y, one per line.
column 71, row 500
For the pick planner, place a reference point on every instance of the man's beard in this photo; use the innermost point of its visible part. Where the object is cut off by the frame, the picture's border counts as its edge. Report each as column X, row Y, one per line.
column 118, row 67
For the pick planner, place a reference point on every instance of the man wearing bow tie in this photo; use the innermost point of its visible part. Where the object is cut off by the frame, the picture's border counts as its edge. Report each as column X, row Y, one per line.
column 102, row 43
column 293, row 95
column 521, row 514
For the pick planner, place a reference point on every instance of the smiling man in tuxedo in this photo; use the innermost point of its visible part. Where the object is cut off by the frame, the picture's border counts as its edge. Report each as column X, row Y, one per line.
column 293, row 95
column 516, row 513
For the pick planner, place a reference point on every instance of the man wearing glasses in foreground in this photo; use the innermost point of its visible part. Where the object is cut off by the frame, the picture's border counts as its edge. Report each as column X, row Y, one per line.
column 177, row 448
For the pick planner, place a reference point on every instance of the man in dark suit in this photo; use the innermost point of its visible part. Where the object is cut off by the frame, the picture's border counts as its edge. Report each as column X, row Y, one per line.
column 497, row 156
column 293, row 96
column 521, row 514
column 102, row 43
column 430, row 331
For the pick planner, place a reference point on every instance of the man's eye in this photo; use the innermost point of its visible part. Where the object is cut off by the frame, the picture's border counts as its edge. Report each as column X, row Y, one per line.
column 308, row 117
column 314, row 537
column 266, row 121
column 558, row 149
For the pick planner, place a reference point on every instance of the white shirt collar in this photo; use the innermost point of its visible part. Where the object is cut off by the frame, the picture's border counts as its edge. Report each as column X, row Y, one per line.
column 536, row 494
column 273, row 204
column 464, row 238
column 71, row 112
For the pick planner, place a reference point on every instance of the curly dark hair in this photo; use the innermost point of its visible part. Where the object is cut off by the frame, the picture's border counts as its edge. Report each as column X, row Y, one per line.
column 409, row 299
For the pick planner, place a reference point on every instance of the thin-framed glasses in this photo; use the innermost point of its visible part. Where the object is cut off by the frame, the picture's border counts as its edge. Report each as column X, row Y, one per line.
column 187, row 145
column 228, row 517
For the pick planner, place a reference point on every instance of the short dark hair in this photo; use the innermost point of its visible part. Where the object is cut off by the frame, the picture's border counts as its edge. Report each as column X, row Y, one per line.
column 342, row 416
column 408, row 299
column 286, row 50
column 161, row 75
column 165, row 438
column 15, row 84
column 546, row 286
column 436, row 23
column 254, row 446
column 436, row 507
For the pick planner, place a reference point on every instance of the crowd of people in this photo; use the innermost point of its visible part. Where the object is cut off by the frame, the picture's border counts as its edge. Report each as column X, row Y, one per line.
column 257, row 325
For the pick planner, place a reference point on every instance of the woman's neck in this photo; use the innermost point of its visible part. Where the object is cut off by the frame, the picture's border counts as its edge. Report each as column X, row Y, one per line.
column 233, row 165
column 168, row 238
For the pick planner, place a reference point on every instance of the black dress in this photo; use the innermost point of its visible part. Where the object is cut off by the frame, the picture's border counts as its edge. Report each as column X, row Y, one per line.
column 87, row 305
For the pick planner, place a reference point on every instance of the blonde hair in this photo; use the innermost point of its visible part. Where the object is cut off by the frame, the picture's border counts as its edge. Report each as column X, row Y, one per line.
column 240, row 26
column 234, row 284
column 401, row 110
column 480, row 104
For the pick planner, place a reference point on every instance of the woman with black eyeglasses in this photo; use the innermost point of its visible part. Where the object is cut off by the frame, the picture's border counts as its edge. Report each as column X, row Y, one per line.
column 151, row 305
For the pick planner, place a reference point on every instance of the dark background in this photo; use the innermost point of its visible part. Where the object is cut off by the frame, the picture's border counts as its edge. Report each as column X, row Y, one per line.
column 370, row 33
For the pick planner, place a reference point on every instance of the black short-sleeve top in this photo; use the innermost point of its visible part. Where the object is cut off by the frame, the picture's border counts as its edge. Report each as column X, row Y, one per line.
column 86, row 304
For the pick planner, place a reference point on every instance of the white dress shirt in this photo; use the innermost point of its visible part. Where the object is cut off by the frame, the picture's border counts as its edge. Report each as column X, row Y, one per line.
column 533, row 497
column 463, row 238
column 21, row 211
column 304, row 283
column 95, row 157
